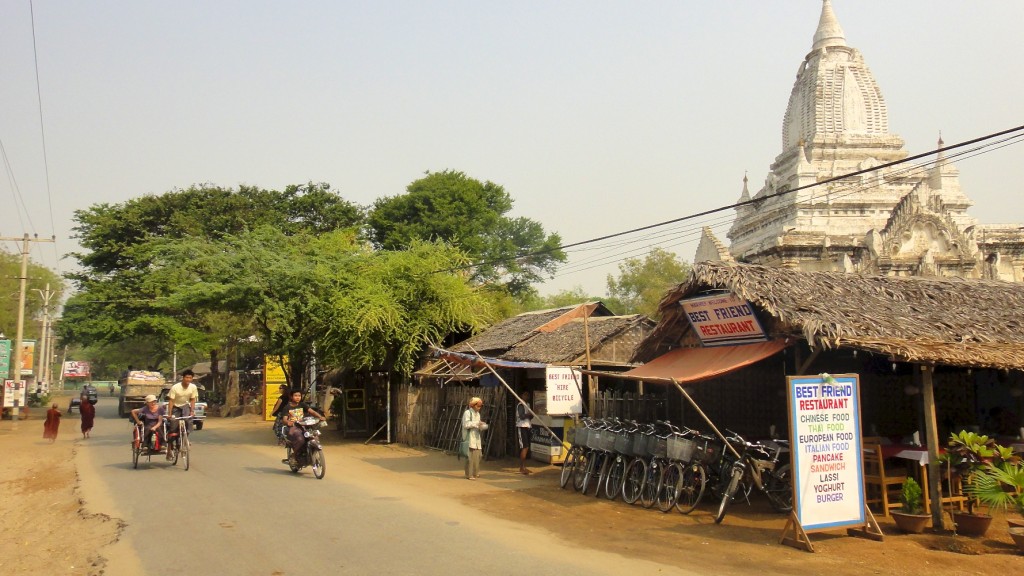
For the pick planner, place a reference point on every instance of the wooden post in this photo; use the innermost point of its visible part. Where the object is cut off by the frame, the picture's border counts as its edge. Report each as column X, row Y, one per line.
column 931, row 434
column 591, row 380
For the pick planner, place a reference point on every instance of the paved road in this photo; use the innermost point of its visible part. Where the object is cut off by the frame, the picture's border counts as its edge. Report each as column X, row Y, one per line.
column 239, row 510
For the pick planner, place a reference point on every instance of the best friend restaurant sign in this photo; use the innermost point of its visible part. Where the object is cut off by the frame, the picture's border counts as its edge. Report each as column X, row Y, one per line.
column 825, row 432
column 723, row 320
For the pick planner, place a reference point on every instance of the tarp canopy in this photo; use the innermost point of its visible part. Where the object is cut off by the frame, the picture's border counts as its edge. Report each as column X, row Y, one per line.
column 474, row 360
column 694, row 364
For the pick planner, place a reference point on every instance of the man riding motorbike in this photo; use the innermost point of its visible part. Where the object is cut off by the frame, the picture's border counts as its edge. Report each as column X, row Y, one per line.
column 294, row 410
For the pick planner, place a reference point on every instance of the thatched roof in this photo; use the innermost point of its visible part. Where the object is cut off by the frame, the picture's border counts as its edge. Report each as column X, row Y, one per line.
column 501, row 337
column 568, row 343
column 948, row 321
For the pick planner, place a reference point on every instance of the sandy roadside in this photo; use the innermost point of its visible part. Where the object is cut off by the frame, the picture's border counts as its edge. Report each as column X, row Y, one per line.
column 45, row 529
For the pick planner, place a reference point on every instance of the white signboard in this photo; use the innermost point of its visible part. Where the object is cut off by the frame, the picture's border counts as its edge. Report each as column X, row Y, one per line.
column 14, row 393
column 563, row 385
column 825, row 433
column 723, row 320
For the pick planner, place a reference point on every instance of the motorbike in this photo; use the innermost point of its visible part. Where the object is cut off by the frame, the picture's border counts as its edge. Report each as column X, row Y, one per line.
column 311, row 454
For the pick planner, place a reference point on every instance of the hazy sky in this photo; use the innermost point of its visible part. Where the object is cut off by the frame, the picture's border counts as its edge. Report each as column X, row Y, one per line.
column 595, row 116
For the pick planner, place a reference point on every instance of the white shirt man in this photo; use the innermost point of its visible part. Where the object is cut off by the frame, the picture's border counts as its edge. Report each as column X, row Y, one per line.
column 182, row 394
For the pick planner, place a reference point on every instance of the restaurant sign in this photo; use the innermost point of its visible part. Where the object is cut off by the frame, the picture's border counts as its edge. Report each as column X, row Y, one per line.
column 723, row 320
column 825, row 437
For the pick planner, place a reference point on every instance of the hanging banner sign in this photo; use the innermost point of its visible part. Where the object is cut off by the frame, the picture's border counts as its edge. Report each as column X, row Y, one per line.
column 723, row 320
column 562, row 390
column 74, row 369
column 825, row 437
column 5, row 358
column 273, row 378
column 28, row 357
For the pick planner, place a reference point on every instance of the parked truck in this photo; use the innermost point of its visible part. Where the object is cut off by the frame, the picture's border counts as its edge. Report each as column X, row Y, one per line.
column 135, row 386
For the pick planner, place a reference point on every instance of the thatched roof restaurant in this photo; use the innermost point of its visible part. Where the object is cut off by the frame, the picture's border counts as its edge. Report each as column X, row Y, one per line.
column 940, row 321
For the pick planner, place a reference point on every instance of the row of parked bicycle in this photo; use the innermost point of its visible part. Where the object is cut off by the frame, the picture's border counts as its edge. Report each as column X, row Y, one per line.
column 672, row 467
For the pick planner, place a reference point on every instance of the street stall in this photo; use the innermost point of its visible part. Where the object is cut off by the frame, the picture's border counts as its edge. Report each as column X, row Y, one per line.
column 935, row 353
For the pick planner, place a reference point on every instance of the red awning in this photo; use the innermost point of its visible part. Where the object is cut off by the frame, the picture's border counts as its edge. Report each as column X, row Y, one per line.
column 694, row 364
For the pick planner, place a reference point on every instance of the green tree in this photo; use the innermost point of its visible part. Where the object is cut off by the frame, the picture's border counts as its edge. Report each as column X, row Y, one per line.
column 572, row 297
column 471, row 215
column 123, row 289
column 642, row 283
column 330, row 294
column 10, row 288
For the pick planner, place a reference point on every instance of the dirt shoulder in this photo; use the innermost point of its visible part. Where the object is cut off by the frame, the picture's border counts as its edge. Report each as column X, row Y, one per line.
column 746, row 541
column 46, row 528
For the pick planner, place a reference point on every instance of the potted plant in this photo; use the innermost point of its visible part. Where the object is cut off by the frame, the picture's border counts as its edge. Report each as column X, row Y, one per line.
column 966, row 455
column 1001, row 485
column 909, row 518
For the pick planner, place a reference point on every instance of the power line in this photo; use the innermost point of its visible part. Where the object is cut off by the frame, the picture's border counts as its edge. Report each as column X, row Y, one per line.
column 42, row 131
column 745, row 203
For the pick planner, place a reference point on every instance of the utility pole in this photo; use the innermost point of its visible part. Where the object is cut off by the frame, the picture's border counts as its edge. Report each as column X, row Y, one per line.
column 18, row 343
column 44, row 341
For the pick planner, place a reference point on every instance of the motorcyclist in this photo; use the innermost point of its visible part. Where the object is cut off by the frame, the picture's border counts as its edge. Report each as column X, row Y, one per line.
column 294, row 410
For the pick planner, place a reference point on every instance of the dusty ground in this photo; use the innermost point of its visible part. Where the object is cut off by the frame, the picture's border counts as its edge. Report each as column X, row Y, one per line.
column 46, row 529
column 43, row 527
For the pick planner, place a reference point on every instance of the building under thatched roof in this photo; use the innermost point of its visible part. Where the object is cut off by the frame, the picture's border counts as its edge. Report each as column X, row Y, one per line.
column 504, row 335
column 946, row 321
column 612, row 339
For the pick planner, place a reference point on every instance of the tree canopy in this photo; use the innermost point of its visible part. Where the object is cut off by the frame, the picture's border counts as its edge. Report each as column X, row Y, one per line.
column 643, row 282
column 451, row 207
column 10, row 288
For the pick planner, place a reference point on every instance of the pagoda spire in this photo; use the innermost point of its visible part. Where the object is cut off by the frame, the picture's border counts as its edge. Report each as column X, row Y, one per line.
column 829, row 32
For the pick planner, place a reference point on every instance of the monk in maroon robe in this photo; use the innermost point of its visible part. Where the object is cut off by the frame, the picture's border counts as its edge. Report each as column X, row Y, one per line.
column 51, row 424
column 88, row 412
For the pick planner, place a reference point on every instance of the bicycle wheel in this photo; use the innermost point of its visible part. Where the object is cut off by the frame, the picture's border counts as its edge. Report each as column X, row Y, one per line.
column 602, row 474
column 633, row 480
column 730, row 491
column 568, row 465
column 184, row 446
column 579, row 473
column 318, row 463
column 690, row 487
column 665, row 495
column 649, row 489
column 136, row 447
column 779, row 489
column 593, row 469
column 616, row 472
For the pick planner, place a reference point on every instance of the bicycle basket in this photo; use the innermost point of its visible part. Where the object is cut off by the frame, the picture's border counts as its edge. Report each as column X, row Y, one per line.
column 681, row 448
column 607, row 441
column 639, row 445
column 581, row 435
column 657, row 447
column 622, row 442
column 594, row 439
column 708, row 451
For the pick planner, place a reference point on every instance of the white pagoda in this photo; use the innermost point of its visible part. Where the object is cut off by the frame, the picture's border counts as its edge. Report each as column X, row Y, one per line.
column 906, row 220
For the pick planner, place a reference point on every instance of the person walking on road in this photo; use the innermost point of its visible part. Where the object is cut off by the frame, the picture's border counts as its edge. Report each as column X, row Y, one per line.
column 52, row 423
column 524, row 416
column 473, row 426
column 88, row 413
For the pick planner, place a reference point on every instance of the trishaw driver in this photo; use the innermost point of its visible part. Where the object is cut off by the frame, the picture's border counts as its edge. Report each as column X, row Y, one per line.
column 181, row 394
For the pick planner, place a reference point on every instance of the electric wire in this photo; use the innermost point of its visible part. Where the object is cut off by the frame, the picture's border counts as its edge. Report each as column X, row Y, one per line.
column 42, row 134
column 911, row 171
column 825, row 182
